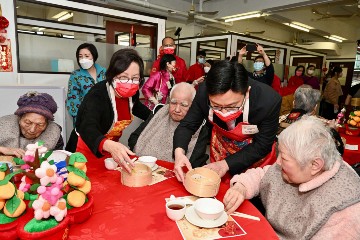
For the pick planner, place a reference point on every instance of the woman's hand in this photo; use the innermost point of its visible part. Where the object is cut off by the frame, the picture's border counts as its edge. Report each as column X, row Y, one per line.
column 243, row 51
column 18, row 152
column 260, row 49
column 119, row 153
column 220, row 167
column 180, row 161
column 234, row 197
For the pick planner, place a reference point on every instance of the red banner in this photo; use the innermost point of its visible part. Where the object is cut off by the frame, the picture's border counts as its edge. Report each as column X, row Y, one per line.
column 5, row 57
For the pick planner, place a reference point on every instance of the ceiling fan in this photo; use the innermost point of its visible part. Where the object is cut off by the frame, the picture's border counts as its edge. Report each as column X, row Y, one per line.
column 192, row 12
column 249, row 33
column 302, row 41
column 328, row 15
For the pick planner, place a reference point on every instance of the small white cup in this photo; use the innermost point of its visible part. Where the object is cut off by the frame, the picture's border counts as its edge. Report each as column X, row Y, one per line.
column 148, row 160
column 110, row 164
column 175, row 209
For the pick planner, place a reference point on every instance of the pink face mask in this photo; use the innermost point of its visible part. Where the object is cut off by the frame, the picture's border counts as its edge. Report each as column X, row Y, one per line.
column 229, row 116
column 126, row 89
column 298, row 73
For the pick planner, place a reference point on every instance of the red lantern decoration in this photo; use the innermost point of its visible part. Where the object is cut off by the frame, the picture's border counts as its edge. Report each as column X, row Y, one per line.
column 4, row 23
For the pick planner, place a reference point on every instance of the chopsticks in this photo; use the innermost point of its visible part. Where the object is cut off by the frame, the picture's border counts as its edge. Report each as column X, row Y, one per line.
column 243, row 215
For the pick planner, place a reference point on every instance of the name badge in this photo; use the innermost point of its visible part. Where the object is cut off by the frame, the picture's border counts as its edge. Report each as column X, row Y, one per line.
column 249, row 129
column 168, row 85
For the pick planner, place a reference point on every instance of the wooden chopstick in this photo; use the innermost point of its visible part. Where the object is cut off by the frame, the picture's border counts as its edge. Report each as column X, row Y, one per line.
column 243, row 215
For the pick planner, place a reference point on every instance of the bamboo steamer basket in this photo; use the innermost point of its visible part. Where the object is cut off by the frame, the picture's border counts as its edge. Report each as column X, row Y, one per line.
column 141, row 175
column 202, row 182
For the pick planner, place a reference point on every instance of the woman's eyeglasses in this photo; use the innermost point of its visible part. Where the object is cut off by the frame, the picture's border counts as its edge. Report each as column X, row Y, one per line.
column 124, row 79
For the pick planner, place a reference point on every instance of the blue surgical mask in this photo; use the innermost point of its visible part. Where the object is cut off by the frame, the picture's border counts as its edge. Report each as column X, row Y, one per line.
column 201, row 60
column 258, row 66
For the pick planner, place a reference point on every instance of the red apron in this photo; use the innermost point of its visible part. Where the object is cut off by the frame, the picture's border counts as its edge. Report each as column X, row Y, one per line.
column 113, row 134
column 227, row 142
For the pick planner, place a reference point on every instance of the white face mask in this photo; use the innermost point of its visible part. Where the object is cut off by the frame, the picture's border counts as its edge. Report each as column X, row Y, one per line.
column 86, row 63
column 310, row 72
column 206, row 69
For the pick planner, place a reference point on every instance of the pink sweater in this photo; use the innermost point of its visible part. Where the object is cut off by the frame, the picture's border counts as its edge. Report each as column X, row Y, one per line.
column 344, row 224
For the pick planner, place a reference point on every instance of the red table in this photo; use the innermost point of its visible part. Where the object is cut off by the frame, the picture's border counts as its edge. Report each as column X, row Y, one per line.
column 122, row 212
column 351, row 156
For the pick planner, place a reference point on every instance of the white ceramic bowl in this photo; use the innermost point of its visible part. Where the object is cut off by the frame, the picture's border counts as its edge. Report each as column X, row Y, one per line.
column 110, row 164
column 148, row 160
column 209, row 208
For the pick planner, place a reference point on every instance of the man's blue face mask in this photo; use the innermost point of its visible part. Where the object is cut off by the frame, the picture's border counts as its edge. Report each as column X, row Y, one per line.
column 258, row 66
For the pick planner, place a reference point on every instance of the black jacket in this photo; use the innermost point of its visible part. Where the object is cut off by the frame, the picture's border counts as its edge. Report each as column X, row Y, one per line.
column 267, row 78
column 96, row 115
column 198, row 157
column 264, row 108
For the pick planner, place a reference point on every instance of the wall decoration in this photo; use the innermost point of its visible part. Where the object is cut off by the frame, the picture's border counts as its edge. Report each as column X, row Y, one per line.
column 5, row 46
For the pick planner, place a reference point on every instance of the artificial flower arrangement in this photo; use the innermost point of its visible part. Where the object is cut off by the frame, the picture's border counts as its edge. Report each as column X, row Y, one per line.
column 55, row 200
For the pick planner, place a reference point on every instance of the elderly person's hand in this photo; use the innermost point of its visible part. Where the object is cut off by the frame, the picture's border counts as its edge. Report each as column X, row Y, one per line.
column 119, row 153
column 234, row 197
column 332, row 123
column 198, row 81
column 180, row 161
column 220, row 167
column 260, row 49
column 18, row 152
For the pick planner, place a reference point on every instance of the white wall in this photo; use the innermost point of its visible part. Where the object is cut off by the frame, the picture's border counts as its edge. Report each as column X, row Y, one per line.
column 347, row 50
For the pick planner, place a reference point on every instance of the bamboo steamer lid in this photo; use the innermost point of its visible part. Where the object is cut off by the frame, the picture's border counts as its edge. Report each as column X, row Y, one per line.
column 141, row 175
column 202, row 182
column 355, row 102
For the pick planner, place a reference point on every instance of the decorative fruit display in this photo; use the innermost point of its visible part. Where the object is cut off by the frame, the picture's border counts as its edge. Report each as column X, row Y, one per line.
column 354, row 119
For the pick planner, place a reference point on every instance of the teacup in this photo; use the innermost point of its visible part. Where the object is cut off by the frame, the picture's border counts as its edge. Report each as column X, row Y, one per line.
column 175, row 209
column 148, row 160
column 110, row 164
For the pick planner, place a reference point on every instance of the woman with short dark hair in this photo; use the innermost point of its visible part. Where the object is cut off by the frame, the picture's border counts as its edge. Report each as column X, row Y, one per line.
column 157, row 88
column 84, row 78
column 108, row 109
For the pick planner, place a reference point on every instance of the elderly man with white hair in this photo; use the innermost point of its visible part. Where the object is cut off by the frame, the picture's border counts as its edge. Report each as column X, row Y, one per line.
column 154, row 137
column 310, row 192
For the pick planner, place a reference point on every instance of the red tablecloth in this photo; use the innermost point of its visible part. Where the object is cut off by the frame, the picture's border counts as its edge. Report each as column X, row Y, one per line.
column 122, row 212
column 351, row 156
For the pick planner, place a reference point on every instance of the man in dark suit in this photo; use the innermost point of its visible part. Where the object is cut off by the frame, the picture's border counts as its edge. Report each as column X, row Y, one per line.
column 244, row 114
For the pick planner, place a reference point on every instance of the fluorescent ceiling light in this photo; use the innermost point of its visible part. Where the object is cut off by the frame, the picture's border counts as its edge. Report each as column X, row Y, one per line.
column 25, row 31
column 40, row 33
column 60, row 14
column 241, row 17
column 332, row 37
column 65, row 17
column 338, row 37
column 297, row 27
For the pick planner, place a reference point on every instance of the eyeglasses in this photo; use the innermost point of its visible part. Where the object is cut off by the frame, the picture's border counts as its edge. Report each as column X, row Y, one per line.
column 228, row 109
column 168, row 45
column 125, row 79
column 174, row 102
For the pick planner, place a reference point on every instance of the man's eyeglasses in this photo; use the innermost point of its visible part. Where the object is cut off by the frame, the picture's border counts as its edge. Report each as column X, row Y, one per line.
column 124, row 79
column 229, row 109
column 168, row 45
column 174, row 102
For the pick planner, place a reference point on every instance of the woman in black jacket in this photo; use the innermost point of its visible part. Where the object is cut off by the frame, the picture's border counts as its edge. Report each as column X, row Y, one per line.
column 108, row 109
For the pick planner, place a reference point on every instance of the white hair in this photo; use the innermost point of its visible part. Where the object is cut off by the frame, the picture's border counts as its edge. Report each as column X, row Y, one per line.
column 183, row 86
column 306, row 98
column 308, row 139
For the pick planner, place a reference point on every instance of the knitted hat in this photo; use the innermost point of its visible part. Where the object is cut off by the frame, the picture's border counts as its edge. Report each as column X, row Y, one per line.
column 40, row 103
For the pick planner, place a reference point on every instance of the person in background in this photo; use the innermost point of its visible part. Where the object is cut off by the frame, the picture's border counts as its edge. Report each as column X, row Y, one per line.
column 33, row 121
column 83, row 79
column 108, row 109
column 195, row 74
column 310, row 79
column 154, row 137
column 244, row 114
column 157, row 88
column 332, row 92
column 207, row 65
column 320, row 190
column 353, row 93
column 169, row 47
column 263, row 68
column 305, row 103
column 287, row 92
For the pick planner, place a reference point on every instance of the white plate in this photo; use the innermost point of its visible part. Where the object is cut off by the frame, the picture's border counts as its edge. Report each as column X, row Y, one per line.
column 194, row 219
column 155, row 167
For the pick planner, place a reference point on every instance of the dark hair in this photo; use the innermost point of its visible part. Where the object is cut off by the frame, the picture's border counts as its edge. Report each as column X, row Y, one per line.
column 201, row 52
column 310, row 67
column 224, row 76
column 259, row 56
column 336, row 70
column 89, row 47
column 166, row 58
column 298, row 67
column 210, row 61
column 120, row 62
column 234, row 59
column 162, row 42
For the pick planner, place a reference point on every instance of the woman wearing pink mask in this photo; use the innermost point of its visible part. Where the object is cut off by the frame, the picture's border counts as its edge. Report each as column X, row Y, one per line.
column 244, row 114
column 108, row 109
column 157, row 88
column 298, row 79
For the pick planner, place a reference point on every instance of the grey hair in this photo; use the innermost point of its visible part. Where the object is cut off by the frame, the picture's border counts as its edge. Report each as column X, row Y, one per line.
column 308, row 139
column 306, row 98
column 183, row 86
